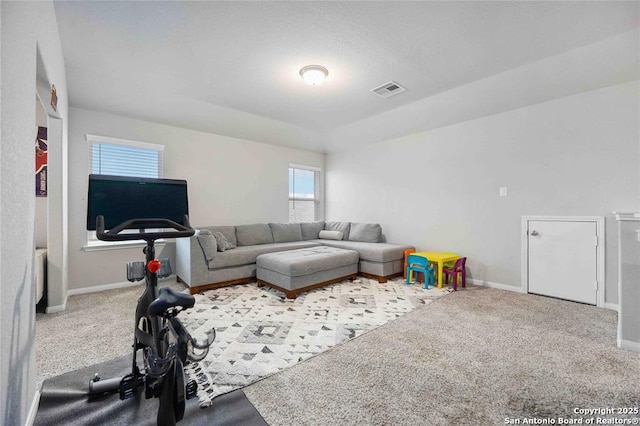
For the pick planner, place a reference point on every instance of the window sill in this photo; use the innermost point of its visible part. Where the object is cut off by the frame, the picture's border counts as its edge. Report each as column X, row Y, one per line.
column 117, row 245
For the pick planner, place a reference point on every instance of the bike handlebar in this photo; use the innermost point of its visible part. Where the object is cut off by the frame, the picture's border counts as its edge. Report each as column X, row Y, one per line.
column 114, row 234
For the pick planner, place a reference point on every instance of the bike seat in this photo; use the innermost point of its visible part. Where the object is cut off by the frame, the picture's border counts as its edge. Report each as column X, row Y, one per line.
column 168, row 298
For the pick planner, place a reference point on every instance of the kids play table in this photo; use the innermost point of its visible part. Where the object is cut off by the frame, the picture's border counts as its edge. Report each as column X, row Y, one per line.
column 439, row 258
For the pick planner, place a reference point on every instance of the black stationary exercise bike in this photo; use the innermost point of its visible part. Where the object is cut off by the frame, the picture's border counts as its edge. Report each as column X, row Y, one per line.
column 165, row 343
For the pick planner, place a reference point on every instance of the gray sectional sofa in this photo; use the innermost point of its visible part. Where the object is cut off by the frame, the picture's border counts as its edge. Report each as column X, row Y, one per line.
column 224, row 255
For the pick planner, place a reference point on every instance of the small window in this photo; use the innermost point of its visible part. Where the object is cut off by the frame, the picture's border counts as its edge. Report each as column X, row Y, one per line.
column 304, row 194
column 121, row 157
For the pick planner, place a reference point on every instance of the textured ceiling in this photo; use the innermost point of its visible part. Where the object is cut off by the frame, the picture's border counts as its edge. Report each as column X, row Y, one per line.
column 232, row 67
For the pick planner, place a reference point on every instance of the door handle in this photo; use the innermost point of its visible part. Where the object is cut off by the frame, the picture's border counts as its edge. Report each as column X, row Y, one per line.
column 534, row 233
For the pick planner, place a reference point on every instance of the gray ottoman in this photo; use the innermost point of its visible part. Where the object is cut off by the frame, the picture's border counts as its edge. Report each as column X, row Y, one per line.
column 295, row 271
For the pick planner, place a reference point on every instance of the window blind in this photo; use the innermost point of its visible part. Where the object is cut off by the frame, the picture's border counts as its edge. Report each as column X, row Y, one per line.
column 119, row 157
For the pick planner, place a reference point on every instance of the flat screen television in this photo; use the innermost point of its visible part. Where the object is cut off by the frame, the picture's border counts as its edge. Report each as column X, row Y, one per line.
column 120, row 198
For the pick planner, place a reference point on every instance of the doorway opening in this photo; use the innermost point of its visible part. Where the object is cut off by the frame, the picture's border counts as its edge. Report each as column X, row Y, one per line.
column 41, row 209
column 51, row 221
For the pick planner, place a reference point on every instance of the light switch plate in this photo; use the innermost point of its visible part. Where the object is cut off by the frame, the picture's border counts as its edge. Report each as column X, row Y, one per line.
column 503, row 191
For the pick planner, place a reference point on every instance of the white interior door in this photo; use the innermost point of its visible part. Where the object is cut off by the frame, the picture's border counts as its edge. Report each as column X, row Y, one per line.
column 563, row 259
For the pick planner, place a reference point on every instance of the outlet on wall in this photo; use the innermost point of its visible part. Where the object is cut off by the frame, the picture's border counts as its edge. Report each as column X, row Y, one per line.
column 503, row 191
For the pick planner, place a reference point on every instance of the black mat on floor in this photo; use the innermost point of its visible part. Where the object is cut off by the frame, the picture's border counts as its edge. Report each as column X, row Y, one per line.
column 64, row 400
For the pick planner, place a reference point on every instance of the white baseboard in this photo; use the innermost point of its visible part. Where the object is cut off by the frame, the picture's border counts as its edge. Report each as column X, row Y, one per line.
column 97, row 288
column 498, row 286
column 33, row 410
column 612, row 306
column 103, row 287
column 631, row 346
column 56, row 308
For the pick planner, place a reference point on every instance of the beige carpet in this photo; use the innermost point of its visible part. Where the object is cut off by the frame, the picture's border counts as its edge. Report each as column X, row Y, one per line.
column 476, row 357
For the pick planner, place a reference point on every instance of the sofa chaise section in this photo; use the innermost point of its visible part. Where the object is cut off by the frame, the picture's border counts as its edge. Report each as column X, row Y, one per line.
column 379, row 261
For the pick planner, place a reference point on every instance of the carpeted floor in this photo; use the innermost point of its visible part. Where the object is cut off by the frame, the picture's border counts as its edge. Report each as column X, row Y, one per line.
column 479, row 356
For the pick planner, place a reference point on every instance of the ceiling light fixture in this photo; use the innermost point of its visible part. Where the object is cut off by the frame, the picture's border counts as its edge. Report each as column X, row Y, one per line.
column 314, row 75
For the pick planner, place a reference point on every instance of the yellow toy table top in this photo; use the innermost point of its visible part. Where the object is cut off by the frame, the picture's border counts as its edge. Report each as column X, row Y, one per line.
column 437, row 256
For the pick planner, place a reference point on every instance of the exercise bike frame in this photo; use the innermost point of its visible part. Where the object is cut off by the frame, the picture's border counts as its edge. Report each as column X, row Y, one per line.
column 162, row 338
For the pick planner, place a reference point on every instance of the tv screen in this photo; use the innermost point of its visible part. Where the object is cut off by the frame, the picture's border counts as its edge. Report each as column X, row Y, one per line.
column 119, row 199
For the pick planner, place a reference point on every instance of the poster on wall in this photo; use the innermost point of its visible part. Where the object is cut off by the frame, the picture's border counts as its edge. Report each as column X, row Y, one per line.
column 41, row 162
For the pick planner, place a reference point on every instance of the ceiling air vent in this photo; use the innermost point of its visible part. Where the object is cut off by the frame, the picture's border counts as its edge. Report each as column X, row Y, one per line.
column 388, row 89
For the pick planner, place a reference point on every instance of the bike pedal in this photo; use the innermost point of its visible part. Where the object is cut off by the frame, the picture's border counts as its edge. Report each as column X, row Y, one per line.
column 191, row 389
column 127, row 387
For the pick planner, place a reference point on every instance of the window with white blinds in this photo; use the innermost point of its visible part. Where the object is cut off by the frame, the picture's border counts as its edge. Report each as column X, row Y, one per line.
column 122, row 157
column 304, row 193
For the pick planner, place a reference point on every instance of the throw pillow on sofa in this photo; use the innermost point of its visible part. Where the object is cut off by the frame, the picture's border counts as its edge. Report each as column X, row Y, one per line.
column 365, row 232
column 229, row 233
column 339, row 226
column 207, row 243
column 330, row 235
column 222, row 242
column 286, row 232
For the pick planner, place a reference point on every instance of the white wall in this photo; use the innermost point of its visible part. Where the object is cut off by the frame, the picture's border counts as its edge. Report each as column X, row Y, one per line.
column 26, row 27
column 231, row 181
column 439, row 189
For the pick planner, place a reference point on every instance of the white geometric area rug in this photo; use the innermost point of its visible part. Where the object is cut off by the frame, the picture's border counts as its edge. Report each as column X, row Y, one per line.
column 260, row 332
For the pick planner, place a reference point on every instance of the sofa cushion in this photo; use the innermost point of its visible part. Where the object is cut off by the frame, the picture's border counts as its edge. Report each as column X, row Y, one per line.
column 222, row 242
column 229, row 233
column 330, row 235
column 365, row 232
column 207, row 243
column 246, row 255
column 256, row 233
column 311, row 230
column 339, row 226
column 375, row 252
column 286, row 232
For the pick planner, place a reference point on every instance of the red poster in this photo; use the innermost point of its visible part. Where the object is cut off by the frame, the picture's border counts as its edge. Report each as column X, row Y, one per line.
column 41, row 162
